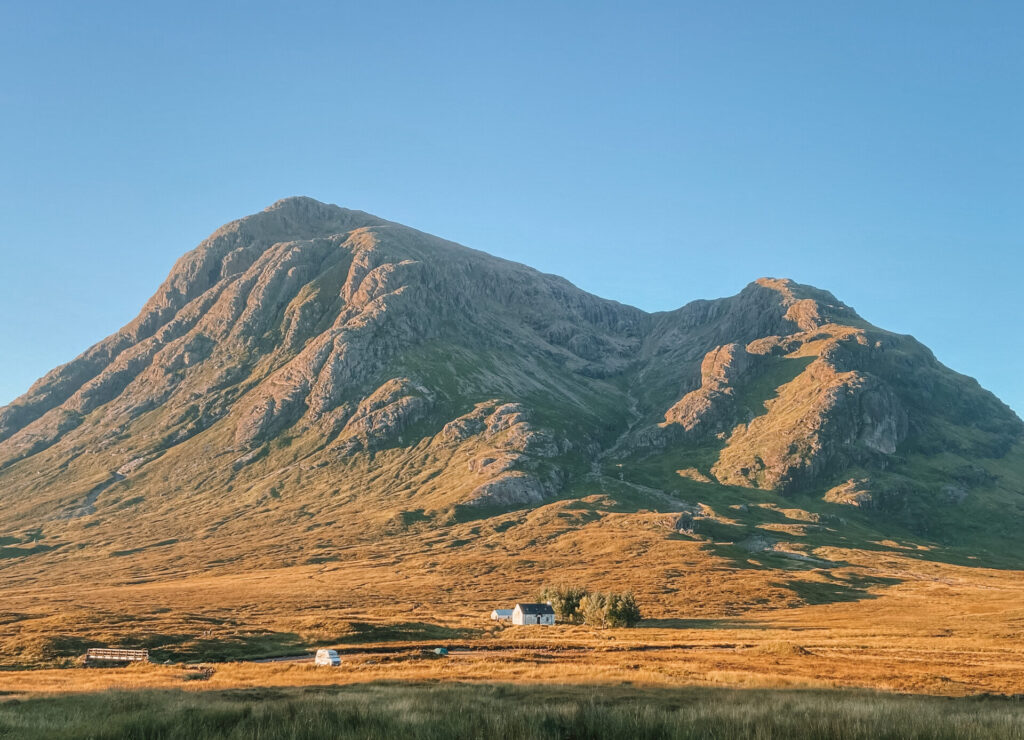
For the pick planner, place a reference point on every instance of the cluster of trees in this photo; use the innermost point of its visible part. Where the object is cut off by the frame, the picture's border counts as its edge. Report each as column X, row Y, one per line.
column 576, row 605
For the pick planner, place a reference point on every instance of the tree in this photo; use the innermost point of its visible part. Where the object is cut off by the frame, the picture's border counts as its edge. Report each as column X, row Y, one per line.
column 575, row 605
column 565, row 600
column 592, row 609
column 622, row 610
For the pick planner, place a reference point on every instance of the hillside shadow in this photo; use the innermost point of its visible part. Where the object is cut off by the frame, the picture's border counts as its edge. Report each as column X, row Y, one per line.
column 739, row 557
column 10, row 553
column 463, row 513
column 853, row 588
column 699, row 624
column 361, row 632
column 188, row 648
column 143, row 548
column 982, row 531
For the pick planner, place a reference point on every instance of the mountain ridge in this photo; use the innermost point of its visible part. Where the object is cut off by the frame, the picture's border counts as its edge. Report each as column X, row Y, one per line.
column 314, row 364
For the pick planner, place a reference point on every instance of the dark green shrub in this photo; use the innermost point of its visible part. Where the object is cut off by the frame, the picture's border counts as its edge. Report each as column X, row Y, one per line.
column 565, row 600
column 622, row 610
column 610, row 610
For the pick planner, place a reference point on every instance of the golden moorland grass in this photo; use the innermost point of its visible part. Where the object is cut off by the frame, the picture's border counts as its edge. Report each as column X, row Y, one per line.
column 867, row 642
column 909, row 626
column 885, row 615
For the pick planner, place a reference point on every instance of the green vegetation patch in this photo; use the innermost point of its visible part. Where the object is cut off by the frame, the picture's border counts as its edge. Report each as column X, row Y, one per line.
column 776, row 372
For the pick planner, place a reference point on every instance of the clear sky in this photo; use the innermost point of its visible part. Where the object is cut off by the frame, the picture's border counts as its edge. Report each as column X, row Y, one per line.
column 650, row 152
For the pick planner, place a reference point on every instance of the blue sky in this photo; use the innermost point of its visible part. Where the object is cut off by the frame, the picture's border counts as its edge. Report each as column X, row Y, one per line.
column 653, row 153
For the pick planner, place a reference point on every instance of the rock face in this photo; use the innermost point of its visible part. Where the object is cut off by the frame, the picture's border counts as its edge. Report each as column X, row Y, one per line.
column 821, row 419
column 331, row 350
column 712, row 407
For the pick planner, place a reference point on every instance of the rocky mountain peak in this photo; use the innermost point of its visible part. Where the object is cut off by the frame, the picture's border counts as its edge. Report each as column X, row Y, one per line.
column 327, row 349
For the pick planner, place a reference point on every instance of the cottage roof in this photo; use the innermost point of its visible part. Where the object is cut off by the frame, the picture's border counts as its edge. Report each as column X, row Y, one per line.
column 535, row 609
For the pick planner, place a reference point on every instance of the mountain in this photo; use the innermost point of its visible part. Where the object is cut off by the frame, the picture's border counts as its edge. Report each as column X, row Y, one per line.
column 310, row 378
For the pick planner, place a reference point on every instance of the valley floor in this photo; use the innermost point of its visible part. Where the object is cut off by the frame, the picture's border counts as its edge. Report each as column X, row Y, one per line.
column 847, row 643
column 938, row 629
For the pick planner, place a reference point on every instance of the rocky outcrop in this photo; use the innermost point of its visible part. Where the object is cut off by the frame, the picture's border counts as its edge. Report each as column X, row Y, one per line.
column 820, row 422
column 712, row 408
column 511, row 489
column 851, row 493
column 383, row 415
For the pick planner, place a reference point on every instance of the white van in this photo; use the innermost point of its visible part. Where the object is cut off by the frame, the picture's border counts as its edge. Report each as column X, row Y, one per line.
column 327, row 657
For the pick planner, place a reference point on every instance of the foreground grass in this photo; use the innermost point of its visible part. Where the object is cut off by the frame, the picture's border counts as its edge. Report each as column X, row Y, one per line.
column 381, row 710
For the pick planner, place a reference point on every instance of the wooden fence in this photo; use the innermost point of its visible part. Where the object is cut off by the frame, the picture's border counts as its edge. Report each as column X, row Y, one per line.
column 124, row 656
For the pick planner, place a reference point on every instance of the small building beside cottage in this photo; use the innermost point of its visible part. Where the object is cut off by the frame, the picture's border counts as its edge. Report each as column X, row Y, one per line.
column 533, row 614
column 502, row 615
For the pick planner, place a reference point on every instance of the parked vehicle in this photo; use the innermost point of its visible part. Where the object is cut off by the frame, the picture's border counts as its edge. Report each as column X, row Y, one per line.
column 327, row 657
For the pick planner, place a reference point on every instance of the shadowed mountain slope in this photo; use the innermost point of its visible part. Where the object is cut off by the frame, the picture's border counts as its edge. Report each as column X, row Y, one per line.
column 311, row 377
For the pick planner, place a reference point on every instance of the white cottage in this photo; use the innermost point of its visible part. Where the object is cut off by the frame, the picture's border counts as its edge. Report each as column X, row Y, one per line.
column 501, row 615
column 533, row 614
